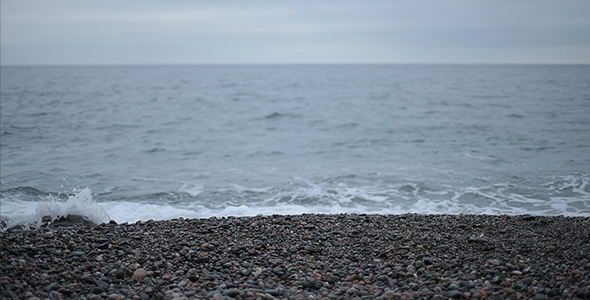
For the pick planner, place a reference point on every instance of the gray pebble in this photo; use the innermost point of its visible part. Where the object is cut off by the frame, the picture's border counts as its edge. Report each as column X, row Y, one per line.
column 345, row 256
column 53, row 295
column 455, row 294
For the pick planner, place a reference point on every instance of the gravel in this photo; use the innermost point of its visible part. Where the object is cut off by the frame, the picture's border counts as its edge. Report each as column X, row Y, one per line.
column 309, row 256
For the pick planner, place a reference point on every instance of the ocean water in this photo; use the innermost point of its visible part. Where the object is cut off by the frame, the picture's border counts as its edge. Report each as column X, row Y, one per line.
column 135, row 143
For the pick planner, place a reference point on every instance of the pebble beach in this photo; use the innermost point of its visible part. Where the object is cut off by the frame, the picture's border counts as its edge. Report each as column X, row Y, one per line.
column 309, row 256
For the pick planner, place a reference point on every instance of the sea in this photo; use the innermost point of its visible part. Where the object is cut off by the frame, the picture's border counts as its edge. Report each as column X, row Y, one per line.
column 131, row 143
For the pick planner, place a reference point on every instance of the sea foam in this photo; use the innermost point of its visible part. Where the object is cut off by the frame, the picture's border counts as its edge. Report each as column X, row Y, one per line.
column 32, row 214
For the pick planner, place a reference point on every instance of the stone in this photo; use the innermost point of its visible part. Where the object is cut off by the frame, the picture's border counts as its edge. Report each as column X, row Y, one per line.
column 72, row 220
column 232, row 292
column 53, row 295
column 480, row 294
column 139, row 274
column 115, row 297
column 143, row 296
column 455, row 294
column 102, row 284
column 400, row 259
column 576, row 272
column 52, row 286
column 274, row 292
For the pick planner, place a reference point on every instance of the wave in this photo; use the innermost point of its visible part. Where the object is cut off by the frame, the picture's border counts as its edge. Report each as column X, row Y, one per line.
column 17, row 212
column 557, row 195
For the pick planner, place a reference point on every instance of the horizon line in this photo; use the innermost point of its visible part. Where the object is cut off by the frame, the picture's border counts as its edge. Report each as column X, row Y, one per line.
column 285, row 64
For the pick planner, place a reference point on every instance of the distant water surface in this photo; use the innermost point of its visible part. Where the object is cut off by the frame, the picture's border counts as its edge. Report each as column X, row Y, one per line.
column 158, row 142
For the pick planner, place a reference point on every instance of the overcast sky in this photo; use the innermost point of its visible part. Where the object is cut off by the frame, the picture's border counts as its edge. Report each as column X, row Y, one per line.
column 228, row 32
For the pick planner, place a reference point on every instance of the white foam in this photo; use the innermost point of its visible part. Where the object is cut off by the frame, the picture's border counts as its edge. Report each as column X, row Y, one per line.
column 129, row 212
column 192, row 189
column 240, row 188
column 321, row 197
column 27, row 213
column 81, row 203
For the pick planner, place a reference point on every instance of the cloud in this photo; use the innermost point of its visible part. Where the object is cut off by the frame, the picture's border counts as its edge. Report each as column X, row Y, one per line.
column 67, row 31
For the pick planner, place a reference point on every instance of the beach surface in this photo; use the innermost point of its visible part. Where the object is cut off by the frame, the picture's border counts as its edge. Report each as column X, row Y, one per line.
column 309, row 256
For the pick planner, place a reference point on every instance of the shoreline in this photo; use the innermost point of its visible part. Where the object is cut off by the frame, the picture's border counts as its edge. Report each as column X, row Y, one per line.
column 317, row 256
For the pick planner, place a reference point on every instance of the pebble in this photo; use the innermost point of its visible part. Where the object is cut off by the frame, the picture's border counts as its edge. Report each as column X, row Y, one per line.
column 455, row 294
column 232, row 292
column 102, row 284
column 341, row 256
column 539, row 297
column 52, row 286
column 115, row 297
column 53, row 295
column 140, row 274
column 143, row 296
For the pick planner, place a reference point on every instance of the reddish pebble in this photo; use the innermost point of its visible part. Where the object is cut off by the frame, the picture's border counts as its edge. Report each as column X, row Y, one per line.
column 576, row 272
column 140, row 274
column 115, row 297
column 350, row 278
column 482, row 294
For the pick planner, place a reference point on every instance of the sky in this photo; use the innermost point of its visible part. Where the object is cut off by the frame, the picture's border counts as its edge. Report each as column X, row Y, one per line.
column 106, row 32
